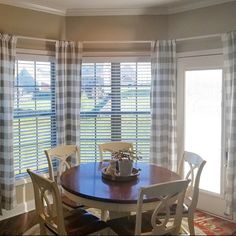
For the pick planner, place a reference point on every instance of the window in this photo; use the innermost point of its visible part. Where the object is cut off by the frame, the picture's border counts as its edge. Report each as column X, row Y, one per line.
column 115, row 106
column 34, row 114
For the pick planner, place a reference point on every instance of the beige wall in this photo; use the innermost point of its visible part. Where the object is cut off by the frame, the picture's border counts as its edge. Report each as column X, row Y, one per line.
column 116, row 27
column 19, row 21
column 24, row 193
column 210, row 20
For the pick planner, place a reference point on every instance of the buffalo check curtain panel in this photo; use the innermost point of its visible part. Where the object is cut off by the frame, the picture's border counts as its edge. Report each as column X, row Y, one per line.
column 68, row 91
column 163, row 104
column 7, row 66
column 229, row 52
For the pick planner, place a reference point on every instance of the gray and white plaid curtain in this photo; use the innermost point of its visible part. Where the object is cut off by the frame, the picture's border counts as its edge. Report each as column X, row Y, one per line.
column 163, row 104
column 7, row 67
column 68, row 91
column 229, row 51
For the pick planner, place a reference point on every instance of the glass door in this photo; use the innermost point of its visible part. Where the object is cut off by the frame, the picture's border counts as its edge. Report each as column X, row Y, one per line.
column 203, row 119
column 200, row 122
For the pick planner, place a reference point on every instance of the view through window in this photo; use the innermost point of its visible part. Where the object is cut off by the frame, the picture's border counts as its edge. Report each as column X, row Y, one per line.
column 115, row 106
column 34, row 114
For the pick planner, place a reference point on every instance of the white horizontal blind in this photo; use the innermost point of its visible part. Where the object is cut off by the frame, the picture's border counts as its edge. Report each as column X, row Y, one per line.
column 34, row 114
column 115, row 106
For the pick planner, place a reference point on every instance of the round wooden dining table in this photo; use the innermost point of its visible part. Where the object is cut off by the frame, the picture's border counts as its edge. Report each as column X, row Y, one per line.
column 85, row 184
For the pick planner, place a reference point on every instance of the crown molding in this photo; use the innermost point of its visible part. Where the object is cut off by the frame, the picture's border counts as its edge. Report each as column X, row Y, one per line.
column 35, row 7
column 143, row 11
column 196, row 5
column 115, row 11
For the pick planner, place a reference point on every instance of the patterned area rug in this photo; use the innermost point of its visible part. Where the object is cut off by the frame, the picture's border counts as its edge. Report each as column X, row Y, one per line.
column 204, row 225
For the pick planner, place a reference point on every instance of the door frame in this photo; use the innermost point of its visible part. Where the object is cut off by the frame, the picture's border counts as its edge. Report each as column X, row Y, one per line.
column 215, row 60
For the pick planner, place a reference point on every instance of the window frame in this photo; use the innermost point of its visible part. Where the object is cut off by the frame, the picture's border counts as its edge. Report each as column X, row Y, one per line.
column 134, row 58
column 36, row 56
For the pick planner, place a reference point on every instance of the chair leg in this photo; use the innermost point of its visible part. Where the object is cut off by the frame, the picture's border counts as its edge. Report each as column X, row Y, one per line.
column 184, row 230
column 191, row 224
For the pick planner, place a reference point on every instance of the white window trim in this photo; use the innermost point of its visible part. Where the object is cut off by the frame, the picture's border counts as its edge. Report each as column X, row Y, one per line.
column 29, row 54
column 218, row 51
column 93, row 58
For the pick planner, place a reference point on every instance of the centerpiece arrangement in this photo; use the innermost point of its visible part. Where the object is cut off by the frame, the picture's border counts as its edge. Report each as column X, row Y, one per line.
column 121, row 165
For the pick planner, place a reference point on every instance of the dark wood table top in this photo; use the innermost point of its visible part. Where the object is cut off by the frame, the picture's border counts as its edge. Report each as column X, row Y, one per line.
column 86, row 181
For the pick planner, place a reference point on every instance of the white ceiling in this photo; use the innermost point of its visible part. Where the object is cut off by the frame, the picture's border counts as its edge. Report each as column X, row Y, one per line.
column 112, row 7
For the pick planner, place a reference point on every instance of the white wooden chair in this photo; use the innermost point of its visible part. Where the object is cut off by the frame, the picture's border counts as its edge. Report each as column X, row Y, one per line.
column 114, row 147
column 63, row 154
column 195, row 166
column 146, row 223
column 50, row 212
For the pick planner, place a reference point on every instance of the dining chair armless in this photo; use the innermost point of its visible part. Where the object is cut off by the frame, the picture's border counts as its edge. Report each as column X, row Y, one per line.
column 114, row 147
column 63, row 154
column 50, row 215
column 192, row 165
column 149, row 222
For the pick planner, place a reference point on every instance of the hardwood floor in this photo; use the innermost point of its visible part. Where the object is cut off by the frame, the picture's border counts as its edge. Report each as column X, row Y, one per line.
column 17, row 225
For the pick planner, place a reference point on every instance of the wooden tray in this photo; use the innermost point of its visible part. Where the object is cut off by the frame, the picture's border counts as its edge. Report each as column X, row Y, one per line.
column 133, row 176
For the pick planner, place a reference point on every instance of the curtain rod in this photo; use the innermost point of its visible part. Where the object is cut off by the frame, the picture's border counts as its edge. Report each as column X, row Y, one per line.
column 125, row 41
column 117, row 42
column 150, row 41
column 34, row 38
column 198, row 37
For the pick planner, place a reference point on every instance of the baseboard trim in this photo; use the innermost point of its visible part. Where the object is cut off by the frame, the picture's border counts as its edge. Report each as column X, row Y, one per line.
column 19, row 209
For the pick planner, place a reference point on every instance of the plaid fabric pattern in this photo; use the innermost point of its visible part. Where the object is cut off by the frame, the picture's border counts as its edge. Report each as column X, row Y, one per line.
column 163, row 104
column 7, row 66
column 68, row 91
column 229, row 51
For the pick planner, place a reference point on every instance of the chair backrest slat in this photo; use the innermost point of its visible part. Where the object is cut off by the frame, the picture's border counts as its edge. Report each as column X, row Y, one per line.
column 48, row 204
column 195, row 167
column 114, row 147
column 165, row 192
column 62, row 153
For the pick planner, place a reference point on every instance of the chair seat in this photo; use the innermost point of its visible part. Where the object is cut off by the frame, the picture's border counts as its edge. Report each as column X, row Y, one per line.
column 66, row 201
column 126, row 225
column 80, row 222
